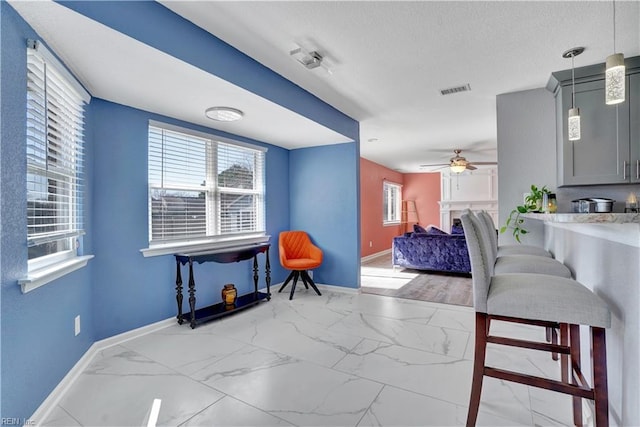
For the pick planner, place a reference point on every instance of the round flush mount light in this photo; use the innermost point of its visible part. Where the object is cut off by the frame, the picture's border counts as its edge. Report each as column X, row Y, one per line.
column 224, row 114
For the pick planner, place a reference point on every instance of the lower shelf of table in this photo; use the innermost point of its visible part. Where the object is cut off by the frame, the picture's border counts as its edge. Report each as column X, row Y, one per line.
column 219, row 310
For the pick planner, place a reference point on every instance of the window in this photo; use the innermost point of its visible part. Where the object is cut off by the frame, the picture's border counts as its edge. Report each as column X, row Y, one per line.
column 391, row 199
column 54, row 181
column 203, row 188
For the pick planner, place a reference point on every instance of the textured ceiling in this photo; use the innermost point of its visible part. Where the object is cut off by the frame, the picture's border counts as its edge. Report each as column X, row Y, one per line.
column 388, row 62
column 389, row 59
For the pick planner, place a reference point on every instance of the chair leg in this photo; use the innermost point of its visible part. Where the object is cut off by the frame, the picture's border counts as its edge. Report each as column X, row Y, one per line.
column 599, row 361
column 575, row 366
column 295, row 281
column 293, row 273
column 307, row 279
column 554, row 340
column 565, row 364
column 478, row 368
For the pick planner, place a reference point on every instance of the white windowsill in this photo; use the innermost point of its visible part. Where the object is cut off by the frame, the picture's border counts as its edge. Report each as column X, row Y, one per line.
column 40, row 277
column 170, row 249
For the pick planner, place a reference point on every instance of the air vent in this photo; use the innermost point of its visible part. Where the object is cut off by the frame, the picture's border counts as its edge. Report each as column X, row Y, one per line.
column 456, row 89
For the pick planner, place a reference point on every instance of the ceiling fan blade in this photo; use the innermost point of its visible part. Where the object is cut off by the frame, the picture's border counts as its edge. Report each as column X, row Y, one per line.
column 485, row 163
column 434, row 165
column 470, row 167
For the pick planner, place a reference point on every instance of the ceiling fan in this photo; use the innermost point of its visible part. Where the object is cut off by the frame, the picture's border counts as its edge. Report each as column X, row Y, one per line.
column 458, row 164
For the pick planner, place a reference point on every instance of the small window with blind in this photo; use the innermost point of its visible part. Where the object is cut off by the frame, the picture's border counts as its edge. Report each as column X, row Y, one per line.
column 203, row 189
column 55, row 168
column 391, row 201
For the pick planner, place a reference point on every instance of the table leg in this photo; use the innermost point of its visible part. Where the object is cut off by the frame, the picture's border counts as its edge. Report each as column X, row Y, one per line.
column 179, row 292
column 267, row 268
column 192, row 295
column 255, row 275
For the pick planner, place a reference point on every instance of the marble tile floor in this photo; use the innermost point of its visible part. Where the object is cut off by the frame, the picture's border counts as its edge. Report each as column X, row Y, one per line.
column 340, row 359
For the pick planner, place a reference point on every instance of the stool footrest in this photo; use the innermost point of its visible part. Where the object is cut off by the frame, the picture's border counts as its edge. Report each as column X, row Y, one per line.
column 533, row 345
column 539, row 382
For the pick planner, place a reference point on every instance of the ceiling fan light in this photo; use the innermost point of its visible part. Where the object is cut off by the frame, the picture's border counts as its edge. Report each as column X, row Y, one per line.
column 457, row 168
column 574, row 124
column 614, row 79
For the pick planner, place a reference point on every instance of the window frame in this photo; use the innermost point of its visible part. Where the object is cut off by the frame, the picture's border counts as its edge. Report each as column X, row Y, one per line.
column 212, row 195
column 391, row 203
column 54, row 96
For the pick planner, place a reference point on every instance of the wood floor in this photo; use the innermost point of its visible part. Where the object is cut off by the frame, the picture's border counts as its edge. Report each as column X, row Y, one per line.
column 378, row 277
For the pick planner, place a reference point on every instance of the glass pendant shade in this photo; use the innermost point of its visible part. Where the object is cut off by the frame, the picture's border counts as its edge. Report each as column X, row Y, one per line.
column 458, row 168
column 614, row 79
column 574, row 124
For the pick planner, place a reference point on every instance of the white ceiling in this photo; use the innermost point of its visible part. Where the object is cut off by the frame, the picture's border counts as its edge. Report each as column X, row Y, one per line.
column 388, row 59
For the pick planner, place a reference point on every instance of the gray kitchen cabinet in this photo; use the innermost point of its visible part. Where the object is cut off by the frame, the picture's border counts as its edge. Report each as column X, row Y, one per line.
column 634, row 125
column 609, row 149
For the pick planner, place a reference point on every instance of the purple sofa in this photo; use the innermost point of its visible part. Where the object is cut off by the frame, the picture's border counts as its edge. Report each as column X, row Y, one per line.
column 433, row 250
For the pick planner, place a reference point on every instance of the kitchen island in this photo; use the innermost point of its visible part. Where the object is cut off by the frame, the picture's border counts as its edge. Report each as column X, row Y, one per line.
column 603, row 253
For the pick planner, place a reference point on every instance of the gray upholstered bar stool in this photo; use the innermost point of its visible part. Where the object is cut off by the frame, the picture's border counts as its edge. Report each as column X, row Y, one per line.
column 542, row 300
column 502, row 250
column 515, row 263
column 523, row 263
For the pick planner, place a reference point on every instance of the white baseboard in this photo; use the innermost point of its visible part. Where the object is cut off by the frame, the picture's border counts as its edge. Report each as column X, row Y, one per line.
column 376, row 255
column 328, row 288
column 74, row 373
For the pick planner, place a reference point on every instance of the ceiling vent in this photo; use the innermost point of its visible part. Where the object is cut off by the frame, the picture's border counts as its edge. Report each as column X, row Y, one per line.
column 456, row 89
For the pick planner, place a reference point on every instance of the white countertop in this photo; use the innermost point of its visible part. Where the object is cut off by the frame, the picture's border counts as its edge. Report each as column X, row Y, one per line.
column 586, row 218
column 616, row 227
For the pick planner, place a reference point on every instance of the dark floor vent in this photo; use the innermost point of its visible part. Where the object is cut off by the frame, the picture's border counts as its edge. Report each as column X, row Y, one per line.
column 456, row 89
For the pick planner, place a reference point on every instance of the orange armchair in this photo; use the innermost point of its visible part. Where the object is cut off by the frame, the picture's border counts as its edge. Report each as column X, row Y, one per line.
column 298, row 254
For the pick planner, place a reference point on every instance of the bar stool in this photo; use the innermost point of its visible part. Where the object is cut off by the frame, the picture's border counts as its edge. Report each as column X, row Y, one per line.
column 515, row 263
column 523, row 263
column 502, row 250
column 542, row 300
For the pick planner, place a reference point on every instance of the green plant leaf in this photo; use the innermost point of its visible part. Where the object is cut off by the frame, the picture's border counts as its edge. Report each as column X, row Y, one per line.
column 522, row 209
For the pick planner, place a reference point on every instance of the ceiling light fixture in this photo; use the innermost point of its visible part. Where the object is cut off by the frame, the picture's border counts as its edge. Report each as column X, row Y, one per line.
column 458, row 167
column 224, row 114
column 310, row 59
column 573, row 121
column 614, row 75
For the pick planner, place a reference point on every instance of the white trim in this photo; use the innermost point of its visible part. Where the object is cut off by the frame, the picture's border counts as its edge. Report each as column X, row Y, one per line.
column 51, row 59
column 205, row 135
column 328, row 288
column 376, row 255
column 65, row 384
column 341, row 289
column 40, row 277
column 170, row 249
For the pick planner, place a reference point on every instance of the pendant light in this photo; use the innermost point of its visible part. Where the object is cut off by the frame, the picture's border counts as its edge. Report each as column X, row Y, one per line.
column 614, row 75
column 573, row 125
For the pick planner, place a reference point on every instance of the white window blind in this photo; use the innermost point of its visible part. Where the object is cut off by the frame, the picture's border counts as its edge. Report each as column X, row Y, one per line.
column 201, row 188
column 55, row 123
column 391, row 203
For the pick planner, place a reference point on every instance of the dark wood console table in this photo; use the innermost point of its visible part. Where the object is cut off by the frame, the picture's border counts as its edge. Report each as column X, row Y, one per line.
column 236, row 254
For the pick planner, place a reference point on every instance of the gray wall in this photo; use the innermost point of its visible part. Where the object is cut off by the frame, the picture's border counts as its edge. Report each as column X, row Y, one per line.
column 526, row 153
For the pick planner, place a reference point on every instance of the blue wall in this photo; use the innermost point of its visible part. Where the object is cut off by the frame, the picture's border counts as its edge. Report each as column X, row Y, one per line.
column 130, row 290
column 38, row 342
column 120, row 290
column 325, row 202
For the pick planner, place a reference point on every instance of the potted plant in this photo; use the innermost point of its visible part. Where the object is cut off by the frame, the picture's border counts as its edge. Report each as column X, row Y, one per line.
column 532, row 203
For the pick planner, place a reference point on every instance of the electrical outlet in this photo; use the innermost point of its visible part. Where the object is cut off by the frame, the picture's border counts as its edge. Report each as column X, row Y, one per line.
column 370, row 244
column 77, row 325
